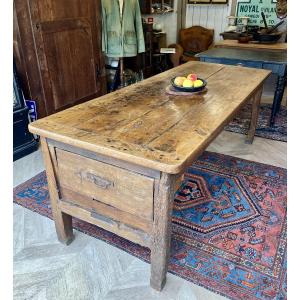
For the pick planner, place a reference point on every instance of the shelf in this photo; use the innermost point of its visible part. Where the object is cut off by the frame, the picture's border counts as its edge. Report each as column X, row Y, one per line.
column 148, row 5
column 163, row 12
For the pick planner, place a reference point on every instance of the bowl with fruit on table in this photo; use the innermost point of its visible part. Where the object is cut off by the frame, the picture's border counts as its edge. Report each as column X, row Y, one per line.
column 191, row 83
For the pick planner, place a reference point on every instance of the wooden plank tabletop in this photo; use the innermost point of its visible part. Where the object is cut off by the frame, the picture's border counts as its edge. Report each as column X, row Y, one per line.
column 143, row 125
column 251, row 45
column 245, row 54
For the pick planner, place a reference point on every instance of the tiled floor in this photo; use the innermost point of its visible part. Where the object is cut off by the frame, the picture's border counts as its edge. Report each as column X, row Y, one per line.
column 27, row 167
column 91, row 269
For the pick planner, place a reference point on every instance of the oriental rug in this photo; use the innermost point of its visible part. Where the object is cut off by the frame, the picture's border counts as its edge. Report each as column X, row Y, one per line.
column 278, row 132
column 228, row 231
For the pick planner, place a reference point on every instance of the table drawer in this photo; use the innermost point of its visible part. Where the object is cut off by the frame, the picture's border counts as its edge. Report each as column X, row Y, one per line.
column 104, row 212
column 125, row 190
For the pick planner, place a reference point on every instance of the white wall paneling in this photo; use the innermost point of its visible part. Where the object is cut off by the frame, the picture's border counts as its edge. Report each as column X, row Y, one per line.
column 212, row 16
column 207, row 15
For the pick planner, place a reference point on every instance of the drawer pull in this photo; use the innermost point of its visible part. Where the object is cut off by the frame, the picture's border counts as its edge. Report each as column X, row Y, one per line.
column 101, row 182
column 240, row 64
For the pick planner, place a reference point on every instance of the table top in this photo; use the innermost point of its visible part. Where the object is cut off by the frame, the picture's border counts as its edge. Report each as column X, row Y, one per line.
column 251, row 45
column 246, row 54
column 141, row 124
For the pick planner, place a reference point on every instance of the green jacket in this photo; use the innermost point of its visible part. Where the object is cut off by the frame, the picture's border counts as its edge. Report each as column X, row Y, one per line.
column 122, row 36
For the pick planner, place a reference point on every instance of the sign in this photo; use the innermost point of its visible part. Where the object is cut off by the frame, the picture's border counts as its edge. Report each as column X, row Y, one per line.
column 253, row 10
column 150, row 20
column 168, row 50
column 32, row 110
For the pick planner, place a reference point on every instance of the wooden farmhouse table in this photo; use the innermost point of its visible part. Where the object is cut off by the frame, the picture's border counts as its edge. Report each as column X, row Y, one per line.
column 275, row 61
column 116, row 161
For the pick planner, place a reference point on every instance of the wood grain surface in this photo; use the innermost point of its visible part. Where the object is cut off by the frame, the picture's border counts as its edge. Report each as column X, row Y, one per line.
column 161, row 235
column 251, row 55
column 254, row 116
column 94, row 205
column 63, row 221
column 107, row 184
column 251, row 45
column 57, row 46
column 121, row 229
column 143, row 125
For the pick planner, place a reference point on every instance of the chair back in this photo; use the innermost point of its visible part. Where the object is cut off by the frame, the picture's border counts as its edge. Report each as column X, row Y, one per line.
column 196, row 38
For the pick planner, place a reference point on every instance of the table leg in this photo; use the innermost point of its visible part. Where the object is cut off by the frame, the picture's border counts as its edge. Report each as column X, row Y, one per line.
column 277, row 97
column 63, row 222
column 254, row 115
column 161, row 235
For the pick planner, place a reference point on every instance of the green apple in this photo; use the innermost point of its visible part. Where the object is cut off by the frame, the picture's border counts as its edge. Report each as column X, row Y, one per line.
column 188, row 83
column 198, row 83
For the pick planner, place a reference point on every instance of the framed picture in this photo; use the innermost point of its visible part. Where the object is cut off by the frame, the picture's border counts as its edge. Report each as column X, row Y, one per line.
column 207, row 1
column 219, row 1
column 198, row 1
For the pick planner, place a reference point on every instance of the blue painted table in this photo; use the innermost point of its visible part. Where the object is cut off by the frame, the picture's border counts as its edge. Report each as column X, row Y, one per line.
column 270, row 60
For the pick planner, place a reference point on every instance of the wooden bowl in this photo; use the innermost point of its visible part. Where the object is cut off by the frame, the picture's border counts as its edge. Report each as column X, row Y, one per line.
column 245, row 38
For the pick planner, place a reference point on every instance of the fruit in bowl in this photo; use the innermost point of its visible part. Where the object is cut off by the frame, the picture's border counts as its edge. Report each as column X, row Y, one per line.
column 198, row 83
column 190, row 83
column 179, row 81
column 192, row 77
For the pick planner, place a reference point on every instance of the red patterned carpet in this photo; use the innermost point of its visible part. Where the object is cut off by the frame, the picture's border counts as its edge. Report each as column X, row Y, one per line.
column 229, row 226
column 278, row 132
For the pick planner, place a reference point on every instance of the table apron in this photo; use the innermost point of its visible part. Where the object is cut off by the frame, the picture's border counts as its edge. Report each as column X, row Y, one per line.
column 276, row 68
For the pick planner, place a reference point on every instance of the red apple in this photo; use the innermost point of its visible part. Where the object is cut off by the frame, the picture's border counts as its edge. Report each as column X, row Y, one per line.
column 192, row 77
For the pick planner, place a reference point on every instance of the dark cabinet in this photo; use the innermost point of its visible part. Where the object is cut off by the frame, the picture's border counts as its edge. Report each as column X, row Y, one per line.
column 57, row 51
column 147, row 55
column 143, row 61
column 151, row 61
column 23, row 141
column 145, row 6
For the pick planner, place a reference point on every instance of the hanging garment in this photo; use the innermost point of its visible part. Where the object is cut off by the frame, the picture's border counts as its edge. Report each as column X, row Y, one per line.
column 122, row 34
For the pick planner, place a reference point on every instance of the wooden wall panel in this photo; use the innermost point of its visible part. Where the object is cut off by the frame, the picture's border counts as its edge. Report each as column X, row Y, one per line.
column 24, row 49
column 60, row 45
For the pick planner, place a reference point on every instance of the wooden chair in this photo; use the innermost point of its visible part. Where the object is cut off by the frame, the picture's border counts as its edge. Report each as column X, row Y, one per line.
column 191, row 41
